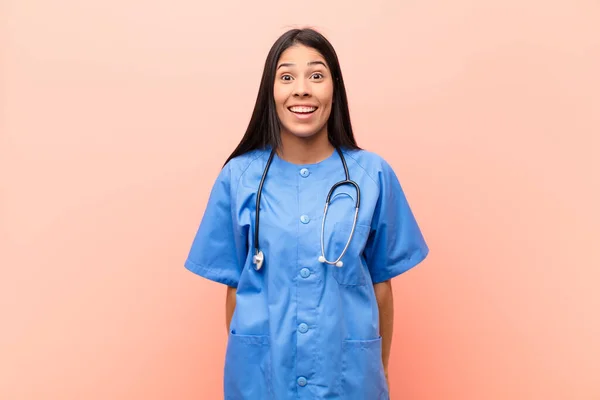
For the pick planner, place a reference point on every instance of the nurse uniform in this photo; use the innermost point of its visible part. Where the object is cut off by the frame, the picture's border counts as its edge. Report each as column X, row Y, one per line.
column 303, row 329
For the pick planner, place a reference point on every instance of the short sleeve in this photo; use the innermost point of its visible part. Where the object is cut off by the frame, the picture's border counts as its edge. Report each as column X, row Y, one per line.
column 219, row 248
column 396, row 243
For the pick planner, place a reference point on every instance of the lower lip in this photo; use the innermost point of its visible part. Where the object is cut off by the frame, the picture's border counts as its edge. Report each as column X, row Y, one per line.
column 303, row 116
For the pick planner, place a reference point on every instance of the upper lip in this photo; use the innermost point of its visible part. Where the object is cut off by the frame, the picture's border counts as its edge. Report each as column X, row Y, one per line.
column 302, row 105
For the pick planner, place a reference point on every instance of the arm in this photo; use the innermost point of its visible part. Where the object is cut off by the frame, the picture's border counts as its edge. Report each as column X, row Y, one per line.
column 229, row 306
column 385, row 302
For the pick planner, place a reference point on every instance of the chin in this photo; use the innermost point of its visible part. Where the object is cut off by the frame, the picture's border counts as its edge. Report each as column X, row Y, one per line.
column 304, row 133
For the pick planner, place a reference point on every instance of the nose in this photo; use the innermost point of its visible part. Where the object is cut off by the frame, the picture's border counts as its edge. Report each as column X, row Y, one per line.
column 301, row 88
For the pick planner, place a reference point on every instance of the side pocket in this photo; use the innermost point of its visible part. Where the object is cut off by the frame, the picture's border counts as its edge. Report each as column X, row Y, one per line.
column 363, row 377
column 248, row 368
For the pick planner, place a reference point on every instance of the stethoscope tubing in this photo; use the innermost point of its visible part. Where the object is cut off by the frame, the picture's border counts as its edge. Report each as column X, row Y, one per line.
column 258, row 257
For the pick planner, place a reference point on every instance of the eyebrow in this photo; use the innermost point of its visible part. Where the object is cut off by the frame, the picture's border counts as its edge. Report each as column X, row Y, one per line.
column 308, row 63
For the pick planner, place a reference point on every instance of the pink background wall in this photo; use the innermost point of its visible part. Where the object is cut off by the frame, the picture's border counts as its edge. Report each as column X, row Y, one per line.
column 117, row 115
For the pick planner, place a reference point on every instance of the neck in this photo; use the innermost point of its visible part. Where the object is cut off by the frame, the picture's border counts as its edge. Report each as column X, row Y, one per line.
column 308, row 150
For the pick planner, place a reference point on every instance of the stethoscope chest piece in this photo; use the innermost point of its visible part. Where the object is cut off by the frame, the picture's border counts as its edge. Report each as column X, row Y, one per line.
column 258, row 259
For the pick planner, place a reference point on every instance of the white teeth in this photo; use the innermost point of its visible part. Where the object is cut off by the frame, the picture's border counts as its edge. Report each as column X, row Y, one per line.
column 302, row 109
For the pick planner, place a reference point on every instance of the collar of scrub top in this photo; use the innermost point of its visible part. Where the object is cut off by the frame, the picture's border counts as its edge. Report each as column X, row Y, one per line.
column 259, row 257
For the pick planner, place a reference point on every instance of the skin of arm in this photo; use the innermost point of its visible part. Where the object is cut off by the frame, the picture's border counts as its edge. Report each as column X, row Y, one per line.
column 229, row 306
column 385, row 302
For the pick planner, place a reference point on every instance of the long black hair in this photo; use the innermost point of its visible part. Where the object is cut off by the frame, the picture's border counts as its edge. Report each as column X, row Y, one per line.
column 264, row 127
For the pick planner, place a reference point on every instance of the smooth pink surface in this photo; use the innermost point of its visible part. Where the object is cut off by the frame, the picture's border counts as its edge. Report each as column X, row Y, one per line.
column 117, row 115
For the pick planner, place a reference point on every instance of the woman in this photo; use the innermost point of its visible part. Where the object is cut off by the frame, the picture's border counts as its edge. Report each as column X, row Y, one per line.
column 309, row 304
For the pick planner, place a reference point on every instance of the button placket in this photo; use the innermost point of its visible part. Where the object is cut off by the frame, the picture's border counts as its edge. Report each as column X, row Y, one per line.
column 305, row 314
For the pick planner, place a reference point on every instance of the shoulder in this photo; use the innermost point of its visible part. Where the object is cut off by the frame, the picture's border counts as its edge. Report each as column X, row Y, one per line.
column 367, row 159
column 240, row 165
column 374, row 165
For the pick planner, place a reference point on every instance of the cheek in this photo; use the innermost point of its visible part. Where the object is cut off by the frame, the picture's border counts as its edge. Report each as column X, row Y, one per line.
column 280, row 96
column 326, row 105
column 278, row 101
column 326, row 97
column 279, row 105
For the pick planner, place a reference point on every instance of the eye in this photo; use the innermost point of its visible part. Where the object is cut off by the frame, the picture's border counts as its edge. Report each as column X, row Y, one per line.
column 286, row 77
column 317, row 75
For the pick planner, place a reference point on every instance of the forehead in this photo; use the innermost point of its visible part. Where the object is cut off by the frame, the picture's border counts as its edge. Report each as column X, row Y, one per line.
column 300, row 55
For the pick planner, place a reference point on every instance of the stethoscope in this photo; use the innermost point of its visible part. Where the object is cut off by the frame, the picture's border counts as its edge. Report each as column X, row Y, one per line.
column 259, row 256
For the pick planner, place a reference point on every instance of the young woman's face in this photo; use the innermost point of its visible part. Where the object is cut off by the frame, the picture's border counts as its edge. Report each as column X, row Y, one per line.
column 303, row 91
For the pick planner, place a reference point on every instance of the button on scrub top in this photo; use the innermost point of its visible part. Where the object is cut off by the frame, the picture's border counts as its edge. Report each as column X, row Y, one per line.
column 303, row 329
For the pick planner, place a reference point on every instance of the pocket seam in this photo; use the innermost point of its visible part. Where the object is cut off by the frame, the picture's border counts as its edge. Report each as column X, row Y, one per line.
column 260, row 340
column 364, row 343
column 347, row 226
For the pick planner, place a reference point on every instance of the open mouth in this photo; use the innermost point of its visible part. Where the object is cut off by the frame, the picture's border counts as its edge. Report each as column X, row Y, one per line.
column 302, row 110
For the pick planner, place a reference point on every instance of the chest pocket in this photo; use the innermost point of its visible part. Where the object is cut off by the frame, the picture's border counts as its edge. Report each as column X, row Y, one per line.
column 353, row 272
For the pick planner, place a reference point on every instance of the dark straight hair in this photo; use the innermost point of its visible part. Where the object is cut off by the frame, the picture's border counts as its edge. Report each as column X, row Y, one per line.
column 264, row 127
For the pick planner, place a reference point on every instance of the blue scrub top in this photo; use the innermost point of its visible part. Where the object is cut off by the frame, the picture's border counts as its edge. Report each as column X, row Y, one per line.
column 303, row 329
